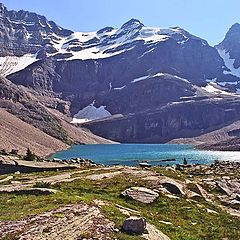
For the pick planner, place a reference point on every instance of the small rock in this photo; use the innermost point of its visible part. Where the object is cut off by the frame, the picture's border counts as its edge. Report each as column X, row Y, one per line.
column 127, row 211
column 211, row 211
column 116, row 230
column 134, row 225
column 226, row 177
column 164, row 222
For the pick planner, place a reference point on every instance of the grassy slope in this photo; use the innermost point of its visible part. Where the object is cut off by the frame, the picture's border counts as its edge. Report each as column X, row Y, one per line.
column 190, row 219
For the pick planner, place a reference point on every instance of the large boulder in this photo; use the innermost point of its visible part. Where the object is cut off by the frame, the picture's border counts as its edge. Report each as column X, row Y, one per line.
column 134, row 225
column 140, row 194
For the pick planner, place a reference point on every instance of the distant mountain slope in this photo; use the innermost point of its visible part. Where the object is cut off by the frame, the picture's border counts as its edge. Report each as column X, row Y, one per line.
column 17, row 134
column 24, row 104
column 225, row 138
column 26, row 122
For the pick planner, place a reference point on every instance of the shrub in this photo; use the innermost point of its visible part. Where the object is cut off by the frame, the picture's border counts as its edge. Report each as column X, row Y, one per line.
column 42, row 185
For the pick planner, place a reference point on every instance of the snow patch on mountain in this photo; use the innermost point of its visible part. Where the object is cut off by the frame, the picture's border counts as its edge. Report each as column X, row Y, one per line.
column 147, row 76
column 111, row 42
column 12, row 64
column 211, row 80
column 140, row 79
column 90, row 113
column 215, row 89
column 157, row 75
column 92, row 53
column 229, row 63
column 223, row 84
column 119, row 88
column 152, row 34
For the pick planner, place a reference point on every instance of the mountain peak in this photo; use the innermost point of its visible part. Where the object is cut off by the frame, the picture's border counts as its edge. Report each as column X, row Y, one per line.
column 234, row 29
column 235, row 26
column 2, row 5
column 231, row 39
column 133, row 23
column 23, row 28
column 3, row 9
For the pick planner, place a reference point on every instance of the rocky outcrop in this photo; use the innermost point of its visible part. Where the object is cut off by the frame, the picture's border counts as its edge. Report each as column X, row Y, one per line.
column 173, row 187
column 68, row 222
column 12, row 164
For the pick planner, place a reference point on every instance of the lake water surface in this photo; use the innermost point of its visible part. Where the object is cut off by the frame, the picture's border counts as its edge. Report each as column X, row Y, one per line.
column 131, row 154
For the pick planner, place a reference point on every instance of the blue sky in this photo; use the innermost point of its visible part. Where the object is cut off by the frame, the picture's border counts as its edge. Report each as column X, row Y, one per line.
column 209, row 19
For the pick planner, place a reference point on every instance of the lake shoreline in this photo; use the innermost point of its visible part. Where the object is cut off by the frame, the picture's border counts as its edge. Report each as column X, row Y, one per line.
column 127, row 154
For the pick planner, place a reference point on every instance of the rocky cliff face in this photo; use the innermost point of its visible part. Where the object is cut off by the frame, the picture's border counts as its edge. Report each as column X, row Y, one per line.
column 186, row 119
column 166, row 83
column 25, row 32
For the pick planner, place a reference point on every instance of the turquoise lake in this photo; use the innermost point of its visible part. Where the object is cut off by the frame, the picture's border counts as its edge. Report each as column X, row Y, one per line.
column 131, row 154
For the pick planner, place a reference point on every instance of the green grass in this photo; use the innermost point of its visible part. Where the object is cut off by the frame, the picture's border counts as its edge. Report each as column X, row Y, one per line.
column 18, row 206
column 182, row 213
column 190, row 219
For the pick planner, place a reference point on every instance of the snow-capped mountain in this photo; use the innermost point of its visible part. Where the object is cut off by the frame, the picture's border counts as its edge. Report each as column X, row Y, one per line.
column 25, row 37
column 108, row 41
column 140, row 78
column 29, row 37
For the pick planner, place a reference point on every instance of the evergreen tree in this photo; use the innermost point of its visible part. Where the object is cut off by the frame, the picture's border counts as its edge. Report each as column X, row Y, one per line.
column 30, row 156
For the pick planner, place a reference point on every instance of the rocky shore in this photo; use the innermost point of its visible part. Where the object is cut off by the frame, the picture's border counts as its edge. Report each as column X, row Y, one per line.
column 14, row 163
